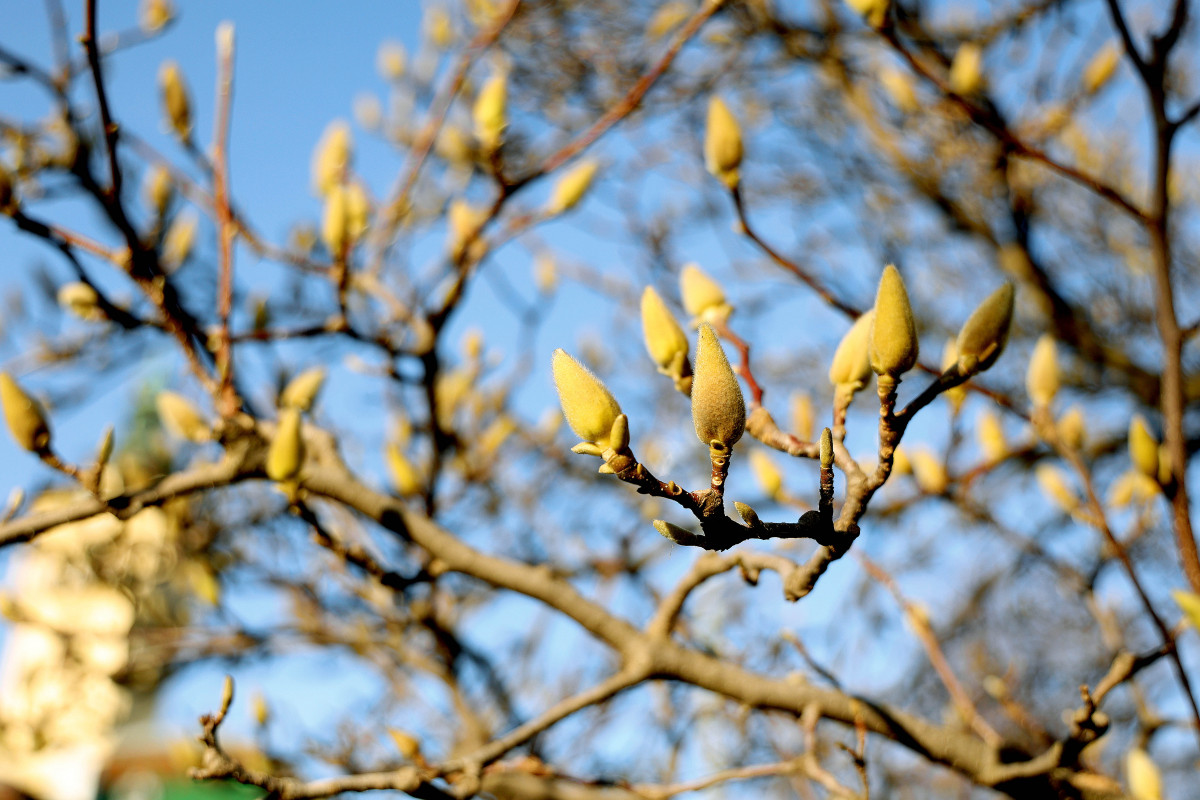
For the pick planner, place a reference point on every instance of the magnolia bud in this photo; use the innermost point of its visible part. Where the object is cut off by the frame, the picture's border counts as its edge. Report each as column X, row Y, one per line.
column 404, row 475
column 260, row 709
column 1145, row 781
column 991, row 436
column 104, row 451
column 718, row 410
column 1143, row 447
column 80, row 299
column 490, row 112
column 957, row 395
column 154, row 14
column 178, row 241
column 391, row 61
column 1053, row 482
column 1189, row 604
column 722, row 143
column 158, row 189
column 769, row 478
column 851, row 365
column 464, row 223
column 333, row 221
column 675, row 533
column 175, row 99
column 331, row 158
column 929, row 471
column 286, row 453
column 702, row 297
column 571, row 187
column 665, row 340
column 24, row 416
column 1072, row 429
column 748, row 514
column 826, row 448
column 181, row 418
column 587, row 404
column 1101, row 68
column 1041, row 381
column 302, row 389
column 966, row 70
column 985, row 332
column 802, row 415
column 894, row 347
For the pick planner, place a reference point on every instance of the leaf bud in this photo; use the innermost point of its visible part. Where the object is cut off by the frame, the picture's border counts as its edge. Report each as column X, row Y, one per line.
column 286, row 452
column 722, row 143
column 24, row 416
column 618, row 435
column 957, row 395
column 588, row 406
column 104, row 451
column 748, row 514
column 1041, row 380
column 181, row 418
column 826, row 448
column 894, row 346
column 718, row 410
column 302, row 389
column 571, row 187
column 175, row 99
column 665, row 340
column 851, row 367
column 490, row 112
column 985, row 332
column 702, row 297
column 1143, row 447
column 331, row 157
column 675, row 533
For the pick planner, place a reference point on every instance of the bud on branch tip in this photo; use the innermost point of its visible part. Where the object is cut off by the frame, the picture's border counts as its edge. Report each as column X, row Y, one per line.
column 588, row 406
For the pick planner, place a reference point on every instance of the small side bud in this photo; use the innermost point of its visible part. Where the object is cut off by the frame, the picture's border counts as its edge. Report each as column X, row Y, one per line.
column 1143, row 447
column 983, row 336
column 181, row 418
column 718, row 410
column 176, row 104
column 302, row 389
column 618, row 436
column 722, row 143
column 286, row 452
column 1041, row 380
column 826, row 448
column 748, row 515
column 675, row 533
column 588, row 406
column 588, row 449
column 405, row 477
column 24, row 416
column 894, row 346
column 571, row 188
column 104, row 451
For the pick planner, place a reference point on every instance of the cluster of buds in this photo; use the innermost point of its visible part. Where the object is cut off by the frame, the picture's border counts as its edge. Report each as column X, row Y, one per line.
column 347, row 208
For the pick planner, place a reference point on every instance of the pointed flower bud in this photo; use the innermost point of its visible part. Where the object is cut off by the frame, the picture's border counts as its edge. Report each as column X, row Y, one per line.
column 1101, row 68
column 175, row 99
column 1053, row 483
column 675, row 533
column 571, row 187
column 490, row 112
column 985, row 332
column 665, row 340
column 966, row 70
column 24, row 416
column 331, row 158
column 1072, row 428
column 179, row 240
column 587, row 404
column 286, row 452
column 1143, row 447
column 1189, row 604
column 405, row 477
column 80, row 299
column 158, row 189
column 181, row 418
column 154, row 14
column 769, row 478
column 1145, row 781
column 929, row 471
column 718, row 410
column 894, row 347
column 702, row 297
column 991, row 437
column 1041, row 381
column 851, row 365
column 302, row 389
column 722, row 143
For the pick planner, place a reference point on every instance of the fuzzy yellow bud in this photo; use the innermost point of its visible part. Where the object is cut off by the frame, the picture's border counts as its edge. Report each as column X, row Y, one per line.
column 702, row 297
column 722, row 143
column 802, row 415
column 24, row 416
column 674, row 533
column 302, row 389
column 1041, row 380
column 871, row 10
column 1053, row 483
column 490, row 112
column 1145, row 782
column 181, row 418
column 158, row 189
column 331, row 157
column 718, row 410
column 464, row 222
column 408, row 745
column 1143, row 447
column 345, row 217
column 80, row 299
column 1132, row 487
column 588, row 406
column 957, row 395
column 851, row 367
column 985, row 332
column 1072, row 428
column 991, row 437
column 929, row 472
column 894, row 346
column 391, row 61
column 901, row 464
column 545, row 273
column 899, row 86
column 154, row 14
column 175, row 99
column 571, row 187
column 1189, row 604
column 826, row 451
column 405, row 477
column 179, row 240
column 1101, row 68
column 665, row 340
column 769, row 478
column 286, row 452
column 966, row 69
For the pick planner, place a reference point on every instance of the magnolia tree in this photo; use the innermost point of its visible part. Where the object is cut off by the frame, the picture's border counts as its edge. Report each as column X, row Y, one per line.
column 923, row 275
